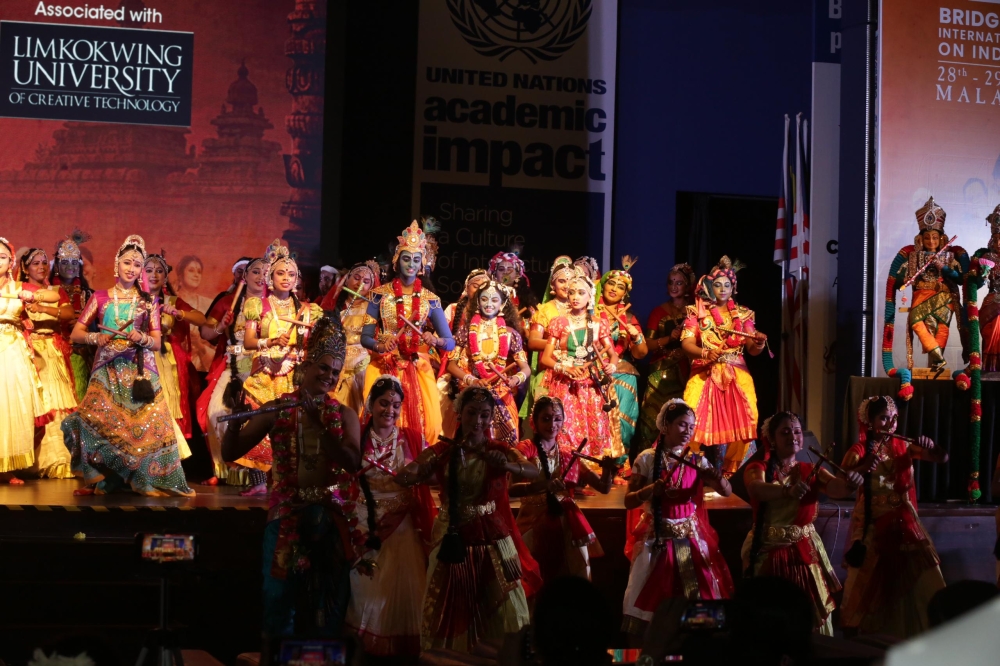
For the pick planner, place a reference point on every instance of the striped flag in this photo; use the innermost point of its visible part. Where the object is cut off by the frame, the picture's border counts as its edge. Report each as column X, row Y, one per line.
column 791, row 251
column 779, row 234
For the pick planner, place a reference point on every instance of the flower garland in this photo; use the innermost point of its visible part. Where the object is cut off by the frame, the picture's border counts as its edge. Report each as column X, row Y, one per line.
column 730, row 340
column 411, row 341
column 344, row 491
column 478, row 358
column 971, row 377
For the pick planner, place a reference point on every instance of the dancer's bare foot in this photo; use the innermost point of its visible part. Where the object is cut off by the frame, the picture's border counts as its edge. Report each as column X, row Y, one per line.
column 83, row 492
column 214, row 481
column 255, row 491
column 14, row 481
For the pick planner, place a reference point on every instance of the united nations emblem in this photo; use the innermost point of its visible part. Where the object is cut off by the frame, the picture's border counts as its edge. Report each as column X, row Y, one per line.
column 540, row 29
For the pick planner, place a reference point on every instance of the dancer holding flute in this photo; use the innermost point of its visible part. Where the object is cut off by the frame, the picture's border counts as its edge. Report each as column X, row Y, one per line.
column 277, row 344
column 893, row 569
column 493, row 340
column 576, row 371
column 674, row 551
column 554, row 528
column 784, row 494
column 349, row 300
column 402, row 311
column 313, row 538
column 122, row 434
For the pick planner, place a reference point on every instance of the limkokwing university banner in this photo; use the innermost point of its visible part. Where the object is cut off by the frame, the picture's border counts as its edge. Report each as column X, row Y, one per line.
column 514, row 140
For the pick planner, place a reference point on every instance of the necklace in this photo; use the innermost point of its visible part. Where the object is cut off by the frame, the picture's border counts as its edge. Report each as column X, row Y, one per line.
column 310, row 460
column 130, row 305
column 379, row 447
column 552, row 455
column 494, row 329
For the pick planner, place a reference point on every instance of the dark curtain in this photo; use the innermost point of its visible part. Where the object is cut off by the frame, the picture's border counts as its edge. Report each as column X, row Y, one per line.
column 940, row 411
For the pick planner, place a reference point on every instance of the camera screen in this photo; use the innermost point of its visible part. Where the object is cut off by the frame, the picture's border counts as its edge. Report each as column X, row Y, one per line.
column 313, row 653
column 704, row 615
column 168, row 547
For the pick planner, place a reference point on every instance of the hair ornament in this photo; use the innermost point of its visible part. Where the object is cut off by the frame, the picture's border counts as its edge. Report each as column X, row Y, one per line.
column 327, row 338
column 890, row 408
column 382, row 382
column 414, row 241
column 589, row 266
column 161, row 259
column 136, row 242
column 240, row 263
column 275, row 255
column 669, row 406
column 68, row 249
column 473, row 394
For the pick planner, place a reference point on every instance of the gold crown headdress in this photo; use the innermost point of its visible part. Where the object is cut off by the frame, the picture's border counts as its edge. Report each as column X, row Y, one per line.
column 277, row 254
column 327, row 338
column 69, row 247
column 135, row 241
column 413, row 241
column 930, row 217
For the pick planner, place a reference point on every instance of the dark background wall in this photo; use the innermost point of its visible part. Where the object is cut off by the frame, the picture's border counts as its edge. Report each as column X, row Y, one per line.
column 702, row 89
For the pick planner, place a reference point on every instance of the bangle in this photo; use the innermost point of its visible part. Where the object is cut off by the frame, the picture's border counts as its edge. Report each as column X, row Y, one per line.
column 468, row 379
column 520, row 377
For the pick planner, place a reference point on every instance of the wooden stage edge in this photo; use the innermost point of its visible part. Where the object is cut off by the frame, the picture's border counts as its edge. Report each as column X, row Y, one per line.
column 55, row 495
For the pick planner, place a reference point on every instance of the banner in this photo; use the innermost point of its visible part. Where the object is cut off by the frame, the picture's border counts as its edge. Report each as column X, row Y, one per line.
column 514, row 139
column 165, row 119
column 938, row 135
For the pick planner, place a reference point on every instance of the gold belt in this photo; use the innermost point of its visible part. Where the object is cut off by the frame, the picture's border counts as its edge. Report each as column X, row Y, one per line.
column 682, row 530
column 478, row 510
column 394, row 503
column 790, row 533
column 313, row 493
column 892, row 499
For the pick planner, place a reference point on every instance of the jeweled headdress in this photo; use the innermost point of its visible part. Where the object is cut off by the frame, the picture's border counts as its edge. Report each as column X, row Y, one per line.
column 277, row 255
column 413, row 241
column 562, row 265
column 473, row 394
column 137, row 243
column 725, row 268
column 511, row 258
column 161, row 259
column 371, row 267
column 383, row 384
column 668, row 406
column 993, row 219
column 327, row 338
column 930, row 216
column 890, row 408
column 581, row 278
column 589, row 267
column 623, row 274
column 431, row 227
column 69, row 247
column 10, row 248
column 685, row 270
column 491, row 288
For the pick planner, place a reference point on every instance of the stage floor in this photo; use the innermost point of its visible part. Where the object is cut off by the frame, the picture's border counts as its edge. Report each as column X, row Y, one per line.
column 59, row 493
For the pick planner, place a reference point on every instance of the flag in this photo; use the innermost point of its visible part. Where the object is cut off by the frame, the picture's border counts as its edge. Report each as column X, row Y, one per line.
column 791, row 251
column 783, row 193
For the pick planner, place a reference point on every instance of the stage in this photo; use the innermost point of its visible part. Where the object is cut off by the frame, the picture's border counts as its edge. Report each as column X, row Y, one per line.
column 70, row 563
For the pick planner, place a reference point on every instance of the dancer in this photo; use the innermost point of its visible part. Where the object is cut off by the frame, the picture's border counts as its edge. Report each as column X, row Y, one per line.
column 188, row 282
column 21, row 400
column 577, row 373
column 589, row 266
column 448, row 387
column 352, row 308
column 508, row 269
column 313, row 538
column 67, row 273
column 893, row 569
column 275, row 327
column 52, row 360
column 675, row 552
column 397, row 344
column 226, row 322
column 476, row 278
column 630, row 345
column 668, row 365
column 386, row 607
column 553, row 527
column 553, row 305
column 721, row 390
column 784, row 494
column 485, row 352
column 479, row 568
column 122, row 434
column 173, row 362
